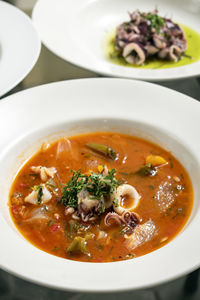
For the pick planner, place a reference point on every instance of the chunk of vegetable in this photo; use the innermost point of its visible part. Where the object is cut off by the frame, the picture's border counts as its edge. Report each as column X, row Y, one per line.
column 103, row 149
column 155, row 160
column 44, row 172
column 78, row 245
column 89, row 236
column 39, row 195
column 147, row 170
column 100, row 168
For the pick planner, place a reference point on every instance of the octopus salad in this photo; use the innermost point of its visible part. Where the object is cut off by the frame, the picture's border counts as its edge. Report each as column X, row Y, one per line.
column 148, row 35
column 100, row 197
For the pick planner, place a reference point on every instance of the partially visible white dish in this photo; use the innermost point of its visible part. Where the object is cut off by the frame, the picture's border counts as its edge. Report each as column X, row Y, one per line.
column 19, row 46
column 42, row 113
column 76, row 31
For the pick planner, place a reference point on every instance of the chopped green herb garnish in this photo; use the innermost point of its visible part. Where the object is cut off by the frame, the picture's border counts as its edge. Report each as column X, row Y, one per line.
column 39, row 195
column 40, row 192
column 55, row 248
column 116, row 203
column 72, row 188
column 157, row 22
column 102, row 209
column 97, row 185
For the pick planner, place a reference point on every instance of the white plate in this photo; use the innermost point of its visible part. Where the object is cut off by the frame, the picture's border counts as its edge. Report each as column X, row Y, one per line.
column 69, row 107
column 77, row 29
column 19, row 46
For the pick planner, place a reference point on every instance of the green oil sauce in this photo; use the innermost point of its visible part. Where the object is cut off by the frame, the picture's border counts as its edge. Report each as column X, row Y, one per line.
column 191, row 55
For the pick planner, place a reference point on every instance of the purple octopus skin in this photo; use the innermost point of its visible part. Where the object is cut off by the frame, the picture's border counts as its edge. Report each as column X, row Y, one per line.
column 87, row 208
column 114, row 217
column 129, row 219
column 169, row 43
column 86, row 214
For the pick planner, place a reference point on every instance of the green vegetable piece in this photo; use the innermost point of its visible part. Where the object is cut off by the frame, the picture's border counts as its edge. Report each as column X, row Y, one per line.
column 147, row 170
column 89, row 236
column 103, row 149
column 78, row 245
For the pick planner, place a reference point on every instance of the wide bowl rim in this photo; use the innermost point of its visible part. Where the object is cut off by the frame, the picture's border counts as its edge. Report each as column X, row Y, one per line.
column 121, row 86
column 20, row 15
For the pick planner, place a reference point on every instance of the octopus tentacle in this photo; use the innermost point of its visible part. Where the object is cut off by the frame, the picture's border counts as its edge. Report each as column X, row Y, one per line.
column 112, row 216
column 129, row 219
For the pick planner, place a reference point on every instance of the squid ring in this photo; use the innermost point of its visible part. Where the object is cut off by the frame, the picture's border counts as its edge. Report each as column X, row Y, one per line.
column 133, row 54
column 119, row 193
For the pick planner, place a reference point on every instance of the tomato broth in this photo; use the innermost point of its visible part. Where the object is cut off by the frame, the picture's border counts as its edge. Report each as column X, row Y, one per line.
column 64, row 199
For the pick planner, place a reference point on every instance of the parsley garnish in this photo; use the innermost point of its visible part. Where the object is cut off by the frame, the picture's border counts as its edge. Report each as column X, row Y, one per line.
column 116, row 203
column 40, row 192
column 156, row 21
column 96, row 184
column 102, row 209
